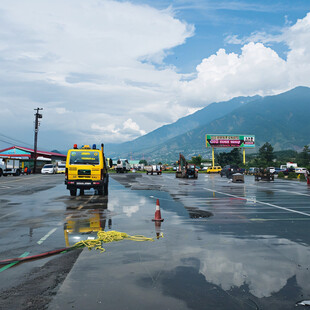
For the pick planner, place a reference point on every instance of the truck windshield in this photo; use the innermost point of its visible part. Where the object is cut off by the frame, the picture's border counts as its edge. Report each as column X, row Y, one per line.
column 86, row 157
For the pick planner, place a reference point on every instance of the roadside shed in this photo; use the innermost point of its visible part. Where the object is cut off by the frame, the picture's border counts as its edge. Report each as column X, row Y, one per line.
column 26, row 156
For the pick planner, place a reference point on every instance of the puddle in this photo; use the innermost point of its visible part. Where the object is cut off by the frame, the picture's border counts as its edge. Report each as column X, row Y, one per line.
column 196, row 213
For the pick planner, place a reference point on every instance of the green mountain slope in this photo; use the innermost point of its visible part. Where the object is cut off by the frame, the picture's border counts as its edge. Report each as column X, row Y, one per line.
column 184, row 124
column 283, row 120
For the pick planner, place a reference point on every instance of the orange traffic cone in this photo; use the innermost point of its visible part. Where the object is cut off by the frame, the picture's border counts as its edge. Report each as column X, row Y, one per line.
column 157, row 213
column 157, row 229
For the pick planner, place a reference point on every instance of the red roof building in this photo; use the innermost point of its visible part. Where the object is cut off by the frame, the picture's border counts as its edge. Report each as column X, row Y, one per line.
column 19, row 152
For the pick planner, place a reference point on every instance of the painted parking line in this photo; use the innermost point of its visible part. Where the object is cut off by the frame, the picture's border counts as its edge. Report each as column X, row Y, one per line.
column 83, row 205
column 260, row 202
column 290, row 219
column 46, row 236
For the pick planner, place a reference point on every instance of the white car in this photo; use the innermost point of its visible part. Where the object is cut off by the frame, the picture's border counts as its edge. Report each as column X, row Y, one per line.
column 271, row 169
column 49, row 168
column 300, row 170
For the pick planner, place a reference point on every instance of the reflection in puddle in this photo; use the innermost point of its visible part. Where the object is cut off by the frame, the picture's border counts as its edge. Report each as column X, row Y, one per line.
column 89, row 221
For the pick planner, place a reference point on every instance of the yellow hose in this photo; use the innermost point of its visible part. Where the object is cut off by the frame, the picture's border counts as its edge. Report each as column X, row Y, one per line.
column 106, row 237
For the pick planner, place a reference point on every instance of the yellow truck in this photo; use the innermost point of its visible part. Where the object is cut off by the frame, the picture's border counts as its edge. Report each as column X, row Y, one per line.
column 86, row 168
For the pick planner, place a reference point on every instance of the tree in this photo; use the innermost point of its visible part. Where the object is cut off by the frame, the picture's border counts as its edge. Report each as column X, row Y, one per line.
column 232, row 158
column 143, row 162
column 196, row 160
column 266, row 154
column 303, row 157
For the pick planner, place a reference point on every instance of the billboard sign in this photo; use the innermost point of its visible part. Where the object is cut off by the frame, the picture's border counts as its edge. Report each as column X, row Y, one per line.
column 219, row 140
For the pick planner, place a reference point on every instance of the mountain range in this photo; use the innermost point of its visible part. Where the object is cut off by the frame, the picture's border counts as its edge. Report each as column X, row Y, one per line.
column 282, row 120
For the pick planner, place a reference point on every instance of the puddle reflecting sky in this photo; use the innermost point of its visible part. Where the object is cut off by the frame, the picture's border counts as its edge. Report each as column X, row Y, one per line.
column 226, row 261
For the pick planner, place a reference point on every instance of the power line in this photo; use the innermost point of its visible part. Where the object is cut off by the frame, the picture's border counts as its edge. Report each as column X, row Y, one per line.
column 6, row 142
column 13, row 139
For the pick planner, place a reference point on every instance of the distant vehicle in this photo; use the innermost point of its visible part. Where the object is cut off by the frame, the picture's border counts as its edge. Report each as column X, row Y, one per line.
column 271, row 169
column 252, row 170
column 300, row 170
column 60, row 168
column 122, row 166
column 291, row 165
column 229, row 170
column 48, row 169
column 288, row 170
column 153, row 169
column 277, row 170
column 264, row 174
column 215, row 169
column 10, row 166
column 191, row 172
column 186, row 170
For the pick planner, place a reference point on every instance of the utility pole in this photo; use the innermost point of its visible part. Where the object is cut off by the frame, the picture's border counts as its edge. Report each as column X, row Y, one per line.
column 36, row 129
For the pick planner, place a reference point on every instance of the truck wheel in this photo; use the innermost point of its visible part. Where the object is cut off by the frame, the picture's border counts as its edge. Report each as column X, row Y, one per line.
column 81, row 192
column 72, row 192
column 106, row 189
column 100, row 191
column 17, row 173
column 5, row 175
column 1, row 172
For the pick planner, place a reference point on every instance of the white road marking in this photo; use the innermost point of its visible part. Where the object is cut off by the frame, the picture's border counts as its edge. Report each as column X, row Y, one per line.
column 281, row 190
column 21, row 179
column 268, row 220
column 8, row 214
column 261, row 202
column 46, row 236
column 83, row 205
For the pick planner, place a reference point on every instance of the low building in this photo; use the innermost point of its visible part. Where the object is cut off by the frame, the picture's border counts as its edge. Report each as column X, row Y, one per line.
column 26, row 156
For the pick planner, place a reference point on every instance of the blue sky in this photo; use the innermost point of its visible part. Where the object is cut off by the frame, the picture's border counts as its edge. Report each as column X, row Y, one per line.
column 214, row 21
column 111, row 71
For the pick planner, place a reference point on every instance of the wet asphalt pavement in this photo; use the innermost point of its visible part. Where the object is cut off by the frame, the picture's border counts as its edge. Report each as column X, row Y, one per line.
column 224, row 245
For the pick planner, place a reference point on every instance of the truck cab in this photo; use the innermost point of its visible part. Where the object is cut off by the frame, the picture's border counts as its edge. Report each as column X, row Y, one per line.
column 122, row 166
column 86, row 168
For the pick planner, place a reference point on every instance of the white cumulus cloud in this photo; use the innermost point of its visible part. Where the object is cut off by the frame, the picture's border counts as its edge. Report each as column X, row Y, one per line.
column 97, row 68
column 257, row 69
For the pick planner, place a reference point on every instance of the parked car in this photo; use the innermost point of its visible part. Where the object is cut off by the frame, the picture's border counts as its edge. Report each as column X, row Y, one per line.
column 299, row 170
column 277, row 170
column 229, row 170
column 49, row 168
column 215, row 169
column 288, row 170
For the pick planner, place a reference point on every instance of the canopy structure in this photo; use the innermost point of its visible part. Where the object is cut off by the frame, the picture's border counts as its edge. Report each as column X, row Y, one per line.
column 19, row 152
